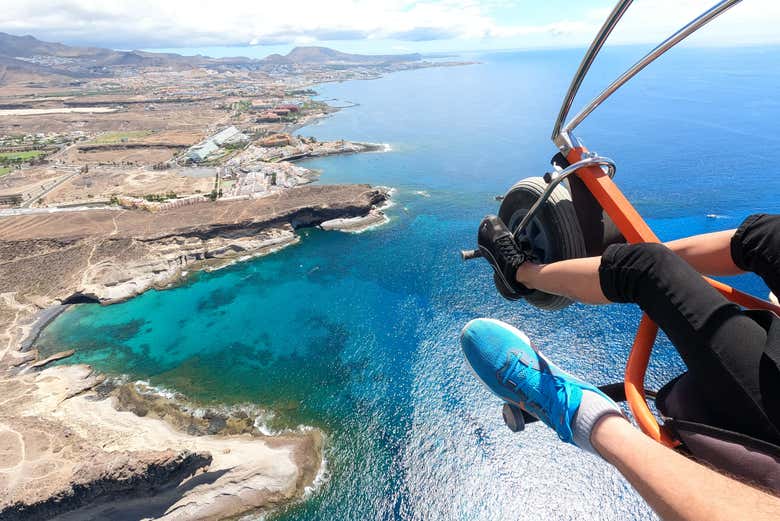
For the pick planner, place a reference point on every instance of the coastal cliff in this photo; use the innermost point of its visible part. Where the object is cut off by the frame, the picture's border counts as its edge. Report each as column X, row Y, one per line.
column 57, row 423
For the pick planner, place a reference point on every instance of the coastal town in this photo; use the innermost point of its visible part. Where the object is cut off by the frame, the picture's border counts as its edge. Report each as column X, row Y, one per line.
column 122, row 171
column 106, row 147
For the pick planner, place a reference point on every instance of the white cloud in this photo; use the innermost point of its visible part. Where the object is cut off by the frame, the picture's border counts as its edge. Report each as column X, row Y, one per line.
column 748, row 22
column 197, row 23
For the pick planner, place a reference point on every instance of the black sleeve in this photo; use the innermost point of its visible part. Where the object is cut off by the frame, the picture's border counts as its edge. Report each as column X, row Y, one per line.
column 756, row 247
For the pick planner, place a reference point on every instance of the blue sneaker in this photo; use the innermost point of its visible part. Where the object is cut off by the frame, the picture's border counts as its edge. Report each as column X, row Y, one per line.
column 503, row 358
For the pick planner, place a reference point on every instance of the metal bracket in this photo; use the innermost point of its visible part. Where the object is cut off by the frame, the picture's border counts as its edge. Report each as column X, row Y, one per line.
column 558, row 177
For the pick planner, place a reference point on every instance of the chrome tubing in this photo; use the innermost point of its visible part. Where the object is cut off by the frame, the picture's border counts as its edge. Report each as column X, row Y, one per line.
column 667, row 44
column 563, row 174
column 590, row 56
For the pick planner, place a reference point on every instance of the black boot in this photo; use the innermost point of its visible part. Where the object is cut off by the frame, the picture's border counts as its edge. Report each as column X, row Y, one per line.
column 499, row 248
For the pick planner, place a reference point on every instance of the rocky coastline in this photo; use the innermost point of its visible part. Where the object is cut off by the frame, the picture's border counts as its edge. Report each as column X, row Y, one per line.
column 75, row 447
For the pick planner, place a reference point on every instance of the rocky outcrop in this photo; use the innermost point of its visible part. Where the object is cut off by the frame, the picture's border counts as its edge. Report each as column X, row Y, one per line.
column 66, row 449
column 116, row 475
column 110, row 255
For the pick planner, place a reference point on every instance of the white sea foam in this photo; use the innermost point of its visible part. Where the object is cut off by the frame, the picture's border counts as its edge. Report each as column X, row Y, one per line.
column 146, row 388
column 261, row 423
column 323, row 474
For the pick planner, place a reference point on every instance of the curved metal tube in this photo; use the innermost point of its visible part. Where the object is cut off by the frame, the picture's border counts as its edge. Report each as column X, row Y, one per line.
column 563, row 174
column 598, row 42
column 667, row 44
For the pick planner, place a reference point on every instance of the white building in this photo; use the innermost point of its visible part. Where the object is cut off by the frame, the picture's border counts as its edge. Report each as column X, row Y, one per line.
column 229, row 135
column 201, row 151
column 204, row 149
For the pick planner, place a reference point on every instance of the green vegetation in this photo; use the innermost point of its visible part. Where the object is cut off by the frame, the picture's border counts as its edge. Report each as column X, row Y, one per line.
column 160, row 198
column 17, row 158
column 310, row 105
column 4, row 170
column 85, row 93
column 21, row 156
column 111, row 138
column 241, row 106
column 301, row 92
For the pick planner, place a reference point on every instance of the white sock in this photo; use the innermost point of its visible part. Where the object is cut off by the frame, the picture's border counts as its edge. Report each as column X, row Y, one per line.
column 593, row 407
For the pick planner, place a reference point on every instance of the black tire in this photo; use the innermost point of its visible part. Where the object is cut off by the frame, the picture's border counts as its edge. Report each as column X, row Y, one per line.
column 552, row 235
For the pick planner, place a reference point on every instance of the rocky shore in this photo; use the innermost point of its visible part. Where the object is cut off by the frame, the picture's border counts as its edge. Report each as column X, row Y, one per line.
column 65, row 448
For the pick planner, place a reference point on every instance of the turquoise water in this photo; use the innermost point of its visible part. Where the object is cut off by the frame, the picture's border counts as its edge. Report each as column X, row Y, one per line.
column 357, row 334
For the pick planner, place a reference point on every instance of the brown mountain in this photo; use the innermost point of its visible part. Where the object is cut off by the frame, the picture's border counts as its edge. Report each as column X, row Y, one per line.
column 322, row 55
column 30, row 55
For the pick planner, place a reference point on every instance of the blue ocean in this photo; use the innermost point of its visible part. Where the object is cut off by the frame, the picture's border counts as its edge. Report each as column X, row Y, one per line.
column 357, row 334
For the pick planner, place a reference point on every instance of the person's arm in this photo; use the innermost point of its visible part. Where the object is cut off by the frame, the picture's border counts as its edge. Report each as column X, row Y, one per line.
column 578, row 279
column 709, row 253
column 677, row 488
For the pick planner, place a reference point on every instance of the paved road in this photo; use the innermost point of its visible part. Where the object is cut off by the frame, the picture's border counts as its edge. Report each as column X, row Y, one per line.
column 31, row 200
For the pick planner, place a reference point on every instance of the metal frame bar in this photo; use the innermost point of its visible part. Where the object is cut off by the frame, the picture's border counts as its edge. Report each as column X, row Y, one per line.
column 561, row 137
column 590, row 56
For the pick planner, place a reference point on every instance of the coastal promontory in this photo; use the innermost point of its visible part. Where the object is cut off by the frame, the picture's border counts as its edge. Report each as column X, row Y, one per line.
column 64, row 446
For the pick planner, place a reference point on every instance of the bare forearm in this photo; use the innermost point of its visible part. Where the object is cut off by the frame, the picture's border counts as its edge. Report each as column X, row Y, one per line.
column 709, row 253
column 677, row 488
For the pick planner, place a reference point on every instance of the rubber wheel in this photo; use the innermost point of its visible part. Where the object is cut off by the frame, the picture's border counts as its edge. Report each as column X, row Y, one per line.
column 513, row 417
column 552, row 235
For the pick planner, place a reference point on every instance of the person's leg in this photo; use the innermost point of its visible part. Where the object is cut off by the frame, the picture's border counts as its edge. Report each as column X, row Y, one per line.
column 756, row 247
column 721, row 346
column 577, row 279
column 503, row 358
column 673, row 485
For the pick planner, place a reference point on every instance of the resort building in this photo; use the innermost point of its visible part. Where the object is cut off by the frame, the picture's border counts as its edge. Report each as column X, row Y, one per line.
column 228, row 136
column 277, row 140
column 268, row 117
column 200, row 152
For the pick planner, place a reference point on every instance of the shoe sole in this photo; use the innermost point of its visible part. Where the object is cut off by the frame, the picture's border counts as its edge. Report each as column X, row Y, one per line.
column 507, row 292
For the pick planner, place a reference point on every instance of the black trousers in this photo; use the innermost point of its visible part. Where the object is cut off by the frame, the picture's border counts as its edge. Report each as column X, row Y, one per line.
column 731, row 382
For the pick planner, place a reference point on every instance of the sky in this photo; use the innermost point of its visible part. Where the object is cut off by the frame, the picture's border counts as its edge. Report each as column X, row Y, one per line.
column 261, row 27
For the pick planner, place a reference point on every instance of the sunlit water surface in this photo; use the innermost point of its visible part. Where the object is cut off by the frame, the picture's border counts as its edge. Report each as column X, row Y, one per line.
column 358, row 334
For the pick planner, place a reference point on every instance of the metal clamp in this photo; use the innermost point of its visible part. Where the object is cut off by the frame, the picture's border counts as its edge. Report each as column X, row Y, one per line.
column 558, row 179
